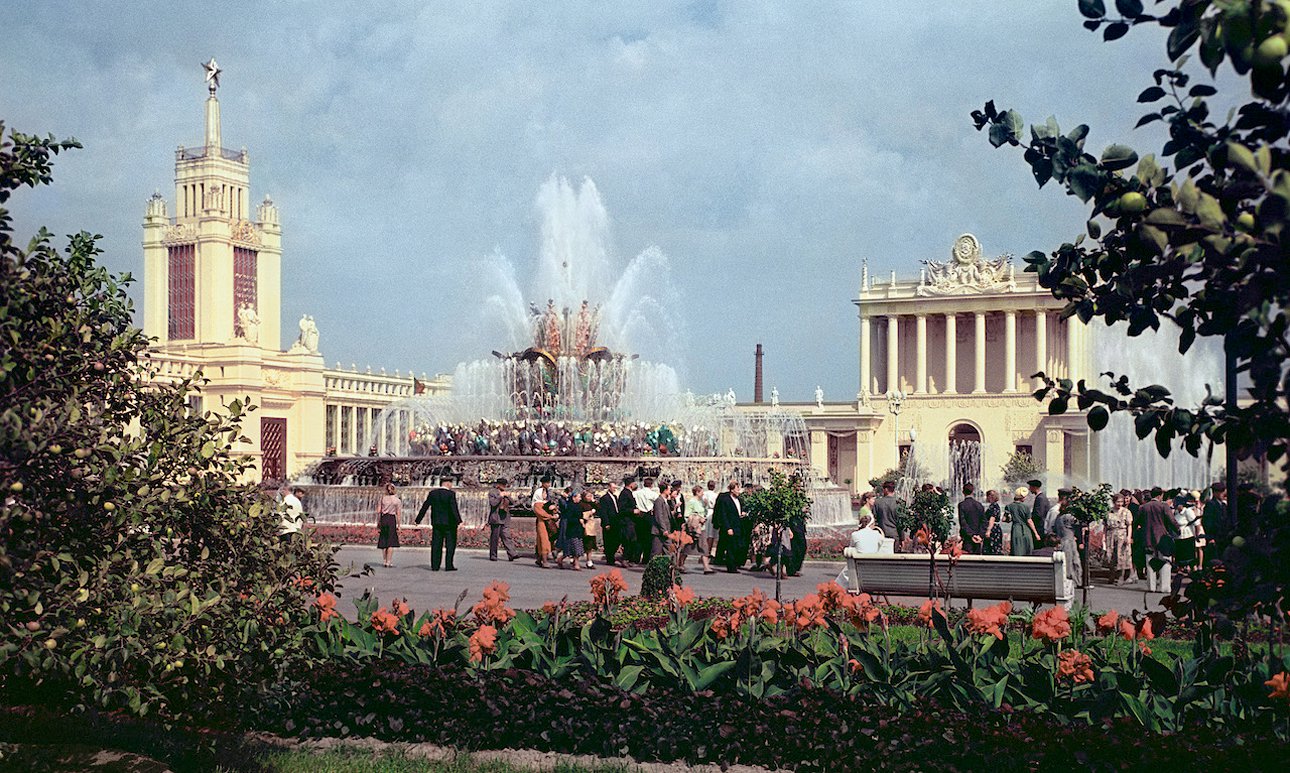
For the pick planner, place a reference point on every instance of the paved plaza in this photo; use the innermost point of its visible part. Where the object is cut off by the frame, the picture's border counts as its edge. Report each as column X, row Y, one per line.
column 532, row 586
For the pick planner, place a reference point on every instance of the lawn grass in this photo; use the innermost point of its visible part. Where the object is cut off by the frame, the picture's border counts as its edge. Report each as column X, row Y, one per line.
column 354, row 761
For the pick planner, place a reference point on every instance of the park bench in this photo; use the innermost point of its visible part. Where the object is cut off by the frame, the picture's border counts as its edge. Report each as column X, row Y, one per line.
column 1037, row 579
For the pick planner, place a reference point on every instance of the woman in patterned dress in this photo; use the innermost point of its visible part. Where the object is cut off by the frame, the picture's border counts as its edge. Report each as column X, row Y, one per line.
column 1119, row 541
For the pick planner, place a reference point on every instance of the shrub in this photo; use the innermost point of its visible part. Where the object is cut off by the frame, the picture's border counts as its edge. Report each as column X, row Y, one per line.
column 658, row 578
column 136, row 571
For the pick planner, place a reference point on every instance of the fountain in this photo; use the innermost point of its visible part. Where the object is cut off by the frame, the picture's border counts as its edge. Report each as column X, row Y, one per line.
column 572, row 398
column 1153, row 358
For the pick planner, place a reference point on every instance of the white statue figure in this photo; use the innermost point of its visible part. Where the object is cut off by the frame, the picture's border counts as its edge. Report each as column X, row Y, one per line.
column 249, row 322
column 774, row 397
column 730, row 397
column 308, row 339
column 819, row 396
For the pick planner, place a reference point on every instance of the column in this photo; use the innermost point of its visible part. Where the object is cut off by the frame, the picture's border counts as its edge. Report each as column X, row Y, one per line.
column 1073, row 370
column 820, row 452
column 978, row 338
column 866, row 386
column 1010, row 351
column 951, row 354
column 1041, row 343
column 893, row 353
column 920, row 379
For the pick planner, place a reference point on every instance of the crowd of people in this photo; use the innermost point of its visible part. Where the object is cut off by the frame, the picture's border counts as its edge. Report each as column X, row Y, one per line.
column 1145, row 536
column 628, row 523
column 561, row 438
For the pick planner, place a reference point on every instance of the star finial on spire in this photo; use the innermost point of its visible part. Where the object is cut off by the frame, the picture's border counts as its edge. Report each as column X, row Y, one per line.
column 212, row 75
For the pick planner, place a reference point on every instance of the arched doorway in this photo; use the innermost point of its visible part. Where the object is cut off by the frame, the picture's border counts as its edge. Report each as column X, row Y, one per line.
column 965, row 457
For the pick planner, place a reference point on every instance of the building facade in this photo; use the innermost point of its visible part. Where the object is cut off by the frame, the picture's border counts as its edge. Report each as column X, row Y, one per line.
column 946, row 361
column 212, row 304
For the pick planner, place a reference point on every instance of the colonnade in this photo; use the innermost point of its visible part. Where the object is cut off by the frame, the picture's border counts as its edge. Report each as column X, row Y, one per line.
column 1074, row 343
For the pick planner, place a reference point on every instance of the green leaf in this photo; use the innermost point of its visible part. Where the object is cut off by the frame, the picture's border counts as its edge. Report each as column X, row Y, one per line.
column 1129, row 8
column 1239, row 155
column 208, row 449
column 1092, row 9
column 1210, row 212
column 1151, row 94
column 1098, row 417
column 1166, row 217
column 1117, row 157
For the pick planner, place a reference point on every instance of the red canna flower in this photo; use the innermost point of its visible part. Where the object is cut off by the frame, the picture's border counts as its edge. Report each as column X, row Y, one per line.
column 832, row 596
column 607, row 587
column 953, row 549
column 926, row 610
column 326, row 606
column 1075, row 666
column 1051, row 625
column 401, row 607
column 1280, row 684
column 482, row 642
column 383, row 621
column 1107, row 623
column 682, row 596
column 493, row 608
column 989, row 621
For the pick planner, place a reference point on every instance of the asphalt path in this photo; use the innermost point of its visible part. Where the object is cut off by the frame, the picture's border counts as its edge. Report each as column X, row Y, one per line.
column 531, row 586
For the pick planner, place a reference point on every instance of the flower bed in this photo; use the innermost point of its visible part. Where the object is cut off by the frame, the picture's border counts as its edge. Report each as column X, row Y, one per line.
column 756, row 648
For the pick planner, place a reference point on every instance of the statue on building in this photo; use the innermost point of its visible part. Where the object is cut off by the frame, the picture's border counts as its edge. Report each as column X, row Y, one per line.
column 819, row 396
column 774, row 397
column 967, row 272
column 307, row 341
column 249, row 323
column 730, row 397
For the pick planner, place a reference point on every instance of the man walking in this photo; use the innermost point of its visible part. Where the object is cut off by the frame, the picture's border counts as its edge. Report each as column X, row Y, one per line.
column 1039, row 512
column 972, row 521
column 610, row 524
column 444, row 519
column 627, row 521
column 645, row 496
column 499, row 521
column 726, row 517
column 661, row 522
column 886, row 511
column 1158, row 520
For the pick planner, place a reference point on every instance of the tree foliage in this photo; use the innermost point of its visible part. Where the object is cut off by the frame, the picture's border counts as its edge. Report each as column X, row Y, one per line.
column 1020, row 467
column 778, row 503
column 137, row 571
column 1194, row 235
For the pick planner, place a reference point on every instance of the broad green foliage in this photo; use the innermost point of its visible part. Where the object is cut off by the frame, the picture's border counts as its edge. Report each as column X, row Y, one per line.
column 1090, row 506
column 1019, row 468
column 930, row 510
column 783, row 500
column 1194, row 234
column 136, row 571
column 659, row 577
column 761, row 649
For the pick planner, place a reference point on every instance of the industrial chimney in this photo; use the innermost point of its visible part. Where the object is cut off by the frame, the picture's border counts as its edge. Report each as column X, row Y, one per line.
column 757, row 378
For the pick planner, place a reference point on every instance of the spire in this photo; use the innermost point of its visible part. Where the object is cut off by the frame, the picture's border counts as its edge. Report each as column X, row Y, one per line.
column 212, row 107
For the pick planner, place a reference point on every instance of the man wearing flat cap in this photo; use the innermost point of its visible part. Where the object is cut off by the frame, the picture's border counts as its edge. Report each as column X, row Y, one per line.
column 1039, row 512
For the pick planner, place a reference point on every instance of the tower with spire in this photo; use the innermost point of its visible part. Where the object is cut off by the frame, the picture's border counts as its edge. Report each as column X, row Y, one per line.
column 213, row 271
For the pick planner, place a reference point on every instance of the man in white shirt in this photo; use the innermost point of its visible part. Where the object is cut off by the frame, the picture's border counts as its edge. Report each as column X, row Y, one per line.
column 293, row 517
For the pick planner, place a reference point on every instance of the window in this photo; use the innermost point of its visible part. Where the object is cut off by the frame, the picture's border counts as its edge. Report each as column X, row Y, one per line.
column 244, row 284
column 181, row 310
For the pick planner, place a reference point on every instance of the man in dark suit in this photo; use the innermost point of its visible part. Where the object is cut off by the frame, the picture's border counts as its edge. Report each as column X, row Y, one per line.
column 611, row 520
column 627, row 513
column 726, row 519
column 661, row 521
column 1039, row 512
column 886, row 510
column 972, row 521
column 444, row 518
column 499, row 521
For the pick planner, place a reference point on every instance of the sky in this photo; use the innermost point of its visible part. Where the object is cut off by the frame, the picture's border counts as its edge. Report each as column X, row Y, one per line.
column 763, row 149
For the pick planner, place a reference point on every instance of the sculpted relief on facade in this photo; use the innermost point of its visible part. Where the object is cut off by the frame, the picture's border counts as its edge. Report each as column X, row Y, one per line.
column 967, row 272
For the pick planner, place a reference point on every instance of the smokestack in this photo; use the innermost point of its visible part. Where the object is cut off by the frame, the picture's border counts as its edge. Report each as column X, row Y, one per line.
column 757, row 378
